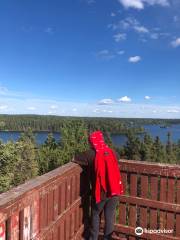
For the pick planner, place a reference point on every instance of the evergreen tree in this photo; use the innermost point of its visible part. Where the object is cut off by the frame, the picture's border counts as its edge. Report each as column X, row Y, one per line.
column 170, row 150
column 132, row 148
column 159, row 154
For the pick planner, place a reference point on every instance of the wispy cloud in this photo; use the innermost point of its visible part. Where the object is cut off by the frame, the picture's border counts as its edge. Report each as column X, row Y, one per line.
column 105, row 55
column 176, row 43
column 113, row 108
column 106, row 101
column 31, row 108
column 113, row 14
column 134, row 59
column 89, row 2
column 3, row 107
column 147, row 97
column 140, row 4
column 49, row 30
column 132, row 24
column 121, row 52
column 124, row 99
column 53, row 106
column 173, row 111
column 120, row 37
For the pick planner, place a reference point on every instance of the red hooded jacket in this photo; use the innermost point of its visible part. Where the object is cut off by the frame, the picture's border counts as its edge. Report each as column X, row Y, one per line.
column 107, row 171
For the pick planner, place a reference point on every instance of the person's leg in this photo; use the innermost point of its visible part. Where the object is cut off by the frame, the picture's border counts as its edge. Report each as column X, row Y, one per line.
column 95, row 219
column 109, row 215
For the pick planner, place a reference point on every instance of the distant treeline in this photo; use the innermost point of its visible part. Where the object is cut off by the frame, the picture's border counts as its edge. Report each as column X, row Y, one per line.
column 55, row 123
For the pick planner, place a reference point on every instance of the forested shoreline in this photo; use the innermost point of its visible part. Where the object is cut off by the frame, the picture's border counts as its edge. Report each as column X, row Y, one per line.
column 55, row 123
column 24, row 159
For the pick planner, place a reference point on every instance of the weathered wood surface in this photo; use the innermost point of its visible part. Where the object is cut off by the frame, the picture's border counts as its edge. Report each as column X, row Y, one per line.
column 47, row 207
column 152, row 199
column 55, row 206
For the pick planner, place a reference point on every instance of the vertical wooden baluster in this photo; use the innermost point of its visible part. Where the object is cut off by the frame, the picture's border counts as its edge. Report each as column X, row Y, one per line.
column 68, row 227
column 163, row 198
column 78, row 185
column 35, row 213
column 178, row 214
column 154, row 196
column 170, row 199
column 13, row 226
column 73, row 189
column 62, row 230
column 132, row 208
column 50, row 209
column 62, row 197
column 25, row 224
column 2, row 231
column 144, row 194
column 68, row 190
column 55, row 233
column 41, row 212
column 122, row 205
column 55, row 203
column 72, row 223
column 76, row 219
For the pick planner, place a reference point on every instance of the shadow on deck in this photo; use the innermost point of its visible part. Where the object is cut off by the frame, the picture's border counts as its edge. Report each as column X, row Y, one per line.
column 57, row 205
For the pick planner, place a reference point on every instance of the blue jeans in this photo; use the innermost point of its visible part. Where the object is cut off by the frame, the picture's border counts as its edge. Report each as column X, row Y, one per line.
column 109, row 206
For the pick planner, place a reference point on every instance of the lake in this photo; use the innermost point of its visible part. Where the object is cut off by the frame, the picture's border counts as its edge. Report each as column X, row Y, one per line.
column 118, row 140
column 153, row 130
column 40, row 136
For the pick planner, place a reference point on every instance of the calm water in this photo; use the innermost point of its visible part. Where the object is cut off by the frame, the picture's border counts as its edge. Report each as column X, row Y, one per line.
column 119, row 140
column 153, row 130
column 40, row 136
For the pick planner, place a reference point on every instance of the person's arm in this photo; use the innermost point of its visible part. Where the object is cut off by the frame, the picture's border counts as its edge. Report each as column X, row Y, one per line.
column 81, row 158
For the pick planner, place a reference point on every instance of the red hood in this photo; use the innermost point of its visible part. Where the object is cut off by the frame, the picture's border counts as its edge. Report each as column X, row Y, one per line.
column 97, row 140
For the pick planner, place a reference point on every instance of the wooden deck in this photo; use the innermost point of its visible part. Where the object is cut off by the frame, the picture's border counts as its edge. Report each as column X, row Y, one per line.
column 56, row 206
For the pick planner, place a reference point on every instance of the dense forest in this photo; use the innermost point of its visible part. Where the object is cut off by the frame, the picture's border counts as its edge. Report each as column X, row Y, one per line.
column 24, row 159
column 55, row 123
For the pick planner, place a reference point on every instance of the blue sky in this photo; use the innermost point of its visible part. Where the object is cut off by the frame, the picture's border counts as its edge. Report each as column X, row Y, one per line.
column 118, row 58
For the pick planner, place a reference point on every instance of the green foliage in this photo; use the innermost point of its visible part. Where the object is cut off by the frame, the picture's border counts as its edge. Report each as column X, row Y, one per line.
column 23, row 160
column 17, row 162
column 150, row 149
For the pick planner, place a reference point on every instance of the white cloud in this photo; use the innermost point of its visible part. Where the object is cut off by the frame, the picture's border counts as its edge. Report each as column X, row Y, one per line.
column 113, row 14
column 90, row 109
column 132, row 3
column 147, row 97
column 90, row 1
column 124, row 99
column 176, row 42
column 134, row 59
column 3, row 107
column 141, row 29
column 140, row 4
column 121, row 52
column 31, row 108
column 120, row 37
column 74, row 109
column 52, row 112
column 53, row 106
column 175, row 18
column 106, row 101
column 105, row 55
column 173, row 111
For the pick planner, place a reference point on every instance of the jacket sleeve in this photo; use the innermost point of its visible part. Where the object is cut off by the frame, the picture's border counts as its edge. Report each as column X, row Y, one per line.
column 80, row 158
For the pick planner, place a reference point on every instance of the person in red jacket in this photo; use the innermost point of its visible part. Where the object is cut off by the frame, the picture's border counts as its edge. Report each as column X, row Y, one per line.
column 106, row 183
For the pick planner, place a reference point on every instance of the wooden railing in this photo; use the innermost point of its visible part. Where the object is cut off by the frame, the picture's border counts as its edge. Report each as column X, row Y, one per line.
column 151, row 201
column 50, row 207
column 56, row 206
